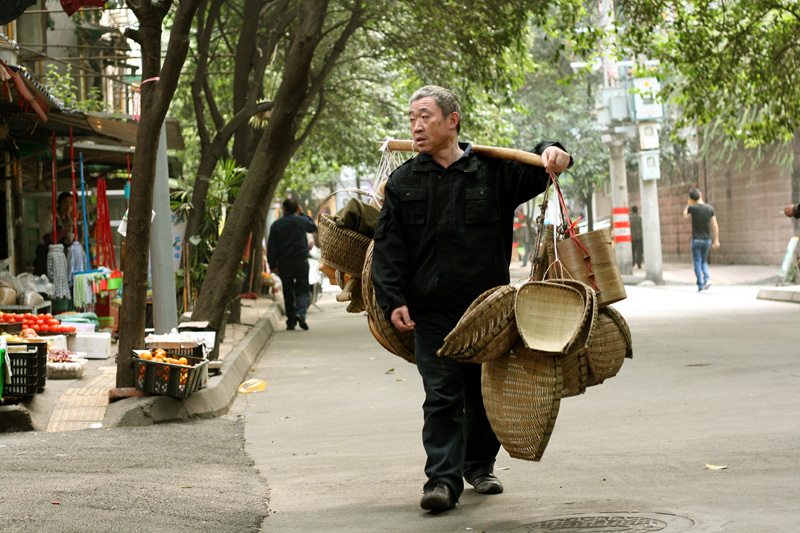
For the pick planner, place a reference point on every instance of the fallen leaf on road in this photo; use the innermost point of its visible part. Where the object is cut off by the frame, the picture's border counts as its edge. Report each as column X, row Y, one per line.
column 400, row 379
column 716, row 467
column 390, row 371
column 56, row 503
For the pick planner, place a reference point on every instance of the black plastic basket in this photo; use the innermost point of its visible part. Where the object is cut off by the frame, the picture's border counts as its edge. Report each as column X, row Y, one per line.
column 41, row 360
column 168, row 379
column 25, row 373
column 182, row 349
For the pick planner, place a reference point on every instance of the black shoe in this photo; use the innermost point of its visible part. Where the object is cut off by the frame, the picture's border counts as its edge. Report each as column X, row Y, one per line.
column 302, row 321
column 289, row 327
column 486, row 484
column 438, row 498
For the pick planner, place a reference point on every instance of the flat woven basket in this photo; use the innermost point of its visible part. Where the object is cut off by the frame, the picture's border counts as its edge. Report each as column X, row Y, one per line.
column 610, row 346
column 550, row 316
column 341, row 248
column 486, row 331
column 522, row 396
column 398, row 343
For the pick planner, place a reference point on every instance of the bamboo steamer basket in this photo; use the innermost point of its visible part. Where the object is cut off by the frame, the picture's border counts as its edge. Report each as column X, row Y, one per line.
column 399, row 343
column 522, row 395
column 605, row 276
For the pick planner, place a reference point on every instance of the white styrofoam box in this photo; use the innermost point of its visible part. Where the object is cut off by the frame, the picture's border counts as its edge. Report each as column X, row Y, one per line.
column 96, row 345
column 56, row 341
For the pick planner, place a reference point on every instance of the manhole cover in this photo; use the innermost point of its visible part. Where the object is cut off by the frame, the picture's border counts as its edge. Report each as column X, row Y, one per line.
column 608, row 523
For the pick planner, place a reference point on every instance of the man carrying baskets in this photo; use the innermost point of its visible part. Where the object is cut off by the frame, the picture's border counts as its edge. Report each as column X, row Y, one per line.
column 444, row 236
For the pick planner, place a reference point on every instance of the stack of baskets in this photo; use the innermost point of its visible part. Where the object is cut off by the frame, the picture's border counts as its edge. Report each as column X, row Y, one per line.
column 541, row 341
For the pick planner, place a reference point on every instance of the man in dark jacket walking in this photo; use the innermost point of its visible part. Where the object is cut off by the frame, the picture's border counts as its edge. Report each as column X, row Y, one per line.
column 287, row 255
column 444, row 236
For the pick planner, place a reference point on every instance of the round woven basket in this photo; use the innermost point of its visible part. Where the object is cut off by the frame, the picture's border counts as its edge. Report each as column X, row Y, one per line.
column 487, row 329
column 609, row 347
column 399, row 343
column 341, row 248
column 522, row 395
column 550, row 316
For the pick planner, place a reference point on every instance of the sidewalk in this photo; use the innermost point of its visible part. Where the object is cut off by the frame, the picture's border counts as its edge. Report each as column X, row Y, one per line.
column 80, row 404
column 67, row 405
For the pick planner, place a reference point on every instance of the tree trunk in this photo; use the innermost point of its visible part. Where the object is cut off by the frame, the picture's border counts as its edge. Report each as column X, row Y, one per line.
column 270, row 159
column 155, row 100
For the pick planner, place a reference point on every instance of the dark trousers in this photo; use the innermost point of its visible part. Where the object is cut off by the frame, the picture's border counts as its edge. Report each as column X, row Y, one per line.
column 457, row 436
column 295, row 295
column 638, row 252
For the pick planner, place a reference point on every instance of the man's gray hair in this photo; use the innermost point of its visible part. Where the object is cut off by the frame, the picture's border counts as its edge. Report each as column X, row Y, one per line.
column 444, row 98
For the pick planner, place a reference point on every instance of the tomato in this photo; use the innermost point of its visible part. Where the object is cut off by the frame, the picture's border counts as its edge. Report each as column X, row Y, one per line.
column 48, row 315
column 35, row 328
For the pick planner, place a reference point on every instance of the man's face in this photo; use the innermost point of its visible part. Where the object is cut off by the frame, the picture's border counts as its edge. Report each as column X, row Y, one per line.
column 430, row 129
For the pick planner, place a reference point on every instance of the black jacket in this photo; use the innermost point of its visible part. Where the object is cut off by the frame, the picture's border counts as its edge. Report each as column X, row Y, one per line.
column 445, row 235
column 287, row 246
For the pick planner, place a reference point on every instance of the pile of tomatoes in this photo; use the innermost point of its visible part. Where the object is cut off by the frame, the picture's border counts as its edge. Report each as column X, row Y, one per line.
column 44, row 323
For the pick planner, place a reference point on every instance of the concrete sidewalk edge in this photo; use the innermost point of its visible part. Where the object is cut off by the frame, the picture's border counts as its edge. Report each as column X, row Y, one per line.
column 210, row 402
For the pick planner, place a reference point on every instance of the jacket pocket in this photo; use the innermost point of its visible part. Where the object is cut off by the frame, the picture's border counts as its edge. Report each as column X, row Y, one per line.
column 479, row 206
column 413, row 202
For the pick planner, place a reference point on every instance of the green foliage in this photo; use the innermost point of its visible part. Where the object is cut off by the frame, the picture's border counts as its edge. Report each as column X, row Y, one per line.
column 62, row 87
column 735, row 63
column 224, row 184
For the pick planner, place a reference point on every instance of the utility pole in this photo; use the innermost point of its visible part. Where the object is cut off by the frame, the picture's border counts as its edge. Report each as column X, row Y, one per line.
column 165, row 308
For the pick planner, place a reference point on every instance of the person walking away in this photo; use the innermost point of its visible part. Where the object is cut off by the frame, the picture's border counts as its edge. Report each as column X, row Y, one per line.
column 705, row 235
column 287, row 255
column 444, row 236
column 637, row 242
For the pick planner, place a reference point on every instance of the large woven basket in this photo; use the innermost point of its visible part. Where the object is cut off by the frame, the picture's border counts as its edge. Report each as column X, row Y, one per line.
column 397, row 342
column 341, row 248
column 522, row 395
column 590, row 317
column 575, row 373
column 610, row 346
column 550, row 316
column 487, row 329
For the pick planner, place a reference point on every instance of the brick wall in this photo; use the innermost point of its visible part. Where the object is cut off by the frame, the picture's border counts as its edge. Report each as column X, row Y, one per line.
column 747, row 202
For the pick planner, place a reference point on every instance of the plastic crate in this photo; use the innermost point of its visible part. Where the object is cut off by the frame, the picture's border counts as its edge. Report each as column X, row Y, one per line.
column 168, row 379
column 41, row 361
column 186, row 349
column 25, row 373
column 12, row 328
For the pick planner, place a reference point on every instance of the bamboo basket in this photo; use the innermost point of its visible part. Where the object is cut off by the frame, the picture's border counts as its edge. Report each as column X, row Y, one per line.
column 352, row 292
column 487, row 329
column 550, row 316
column 522, row 396
column 341, row 248
column 397, row 342
column 609, row 347
column 605, row 276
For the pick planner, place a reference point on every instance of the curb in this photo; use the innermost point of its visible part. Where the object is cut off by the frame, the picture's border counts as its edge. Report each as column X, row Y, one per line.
column 214, row 400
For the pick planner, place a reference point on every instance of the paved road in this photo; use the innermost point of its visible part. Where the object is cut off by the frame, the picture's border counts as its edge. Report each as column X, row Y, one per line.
column 714, row 379
column 333, row 442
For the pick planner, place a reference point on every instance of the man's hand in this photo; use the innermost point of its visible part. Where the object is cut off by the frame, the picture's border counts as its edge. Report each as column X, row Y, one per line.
column 401, row 319
column 788, row 211
column 555, row 159
column 715, row 244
